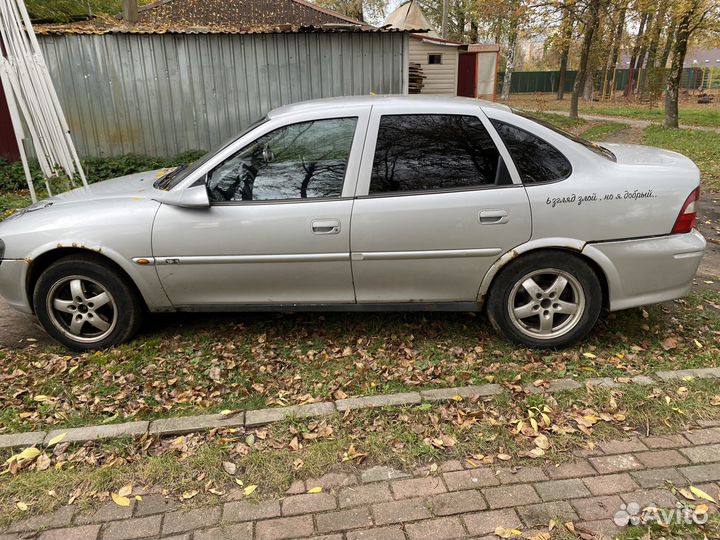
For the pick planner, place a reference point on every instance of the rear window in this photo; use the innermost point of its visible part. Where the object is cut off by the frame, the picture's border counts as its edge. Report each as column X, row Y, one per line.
column 537, row 161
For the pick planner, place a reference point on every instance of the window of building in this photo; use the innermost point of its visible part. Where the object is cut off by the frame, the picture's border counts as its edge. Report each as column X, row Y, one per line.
column 434, row 58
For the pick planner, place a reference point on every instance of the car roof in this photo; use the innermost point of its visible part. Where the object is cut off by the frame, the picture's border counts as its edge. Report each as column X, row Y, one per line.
column 305, row 106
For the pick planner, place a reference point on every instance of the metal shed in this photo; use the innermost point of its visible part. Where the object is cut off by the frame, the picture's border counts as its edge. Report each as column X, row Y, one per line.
column 162, row 93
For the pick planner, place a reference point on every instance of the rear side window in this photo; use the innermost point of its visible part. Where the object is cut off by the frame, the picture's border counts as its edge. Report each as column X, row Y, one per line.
column 536, row 160
column 427, row 152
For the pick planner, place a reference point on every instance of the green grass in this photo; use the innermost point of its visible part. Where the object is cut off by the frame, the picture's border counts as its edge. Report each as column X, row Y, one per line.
column 192, row 365
column 559, row 120
column 602, row 132
column 703, row 147
column 695, row 117
column 299, row 449
column 9, row 202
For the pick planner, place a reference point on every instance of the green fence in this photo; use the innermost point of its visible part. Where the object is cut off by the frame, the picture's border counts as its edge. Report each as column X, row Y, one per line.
column 548, row 81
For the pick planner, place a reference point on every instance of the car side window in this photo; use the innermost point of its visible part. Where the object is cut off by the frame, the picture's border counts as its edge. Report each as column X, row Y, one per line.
column 427, row 152
column 536, row 160
column 307, row 160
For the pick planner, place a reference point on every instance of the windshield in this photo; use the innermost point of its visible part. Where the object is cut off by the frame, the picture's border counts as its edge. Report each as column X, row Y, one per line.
column 175, row 176
column 600, row 150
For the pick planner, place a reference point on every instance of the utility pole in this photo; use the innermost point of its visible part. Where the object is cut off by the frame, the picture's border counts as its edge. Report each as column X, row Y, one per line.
column 445, row 19
column 130, row 11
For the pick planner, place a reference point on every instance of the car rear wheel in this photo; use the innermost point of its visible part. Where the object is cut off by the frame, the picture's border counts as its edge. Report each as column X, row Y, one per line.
column 86, row 304
column 545, row 300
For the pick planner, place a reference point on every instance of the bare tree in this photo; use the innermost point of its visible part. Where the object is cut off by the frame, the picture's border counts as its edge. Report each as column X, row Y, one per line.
column 591, row 21
column 566, row 34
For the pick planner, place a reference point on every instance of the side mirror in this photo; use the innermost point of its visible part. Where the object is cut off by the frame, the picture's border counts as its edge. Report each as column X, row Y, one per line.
column 191, row 197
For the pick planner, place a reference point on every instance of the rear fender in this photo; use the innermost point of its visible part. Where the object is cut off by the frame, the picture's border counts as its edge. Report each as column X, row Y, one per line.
column 568, row 244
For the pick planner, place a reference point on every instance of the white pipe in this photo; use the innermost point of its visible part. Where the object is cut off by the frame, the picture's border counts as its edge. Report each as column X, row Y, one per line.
column 33, row 100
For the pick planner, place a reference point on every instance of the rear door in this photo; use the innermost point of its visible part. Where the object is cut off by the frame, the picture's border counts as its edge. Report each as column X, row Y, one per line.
column 435, row 206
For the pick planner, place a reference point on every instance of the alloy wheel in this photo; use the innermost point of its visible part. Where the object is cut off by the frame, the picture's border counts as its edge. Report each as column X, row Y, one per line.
column 82, row 309
column 546, row 304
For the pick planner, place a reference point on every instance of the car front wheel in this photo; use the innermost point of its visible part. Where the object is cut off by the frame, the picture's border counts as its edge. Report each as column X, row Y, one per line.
column 85, row 303
column 545, row 300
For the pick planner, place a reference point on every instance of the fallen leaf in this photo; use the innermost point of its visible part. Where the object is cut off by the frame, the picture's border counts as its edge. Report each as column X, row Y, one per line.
column 541, row 441
column 502, row 532
column 120, row 500
column 42, row 463
column 230, row 467
column 589, row 355
column 23, row 507
column 125, row 490
column 28, row 453
column 685, row 493
column 249, row 490
column 700, row 493
column 701, row 509
column 56, row 439
column 504, row 457
column 189, row 494
column 315, row 490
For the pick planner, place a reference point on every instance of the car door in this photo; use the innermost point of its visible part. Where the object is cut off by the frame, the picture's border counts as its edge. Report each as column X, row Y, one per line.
column 438, row 202
column 278, row 228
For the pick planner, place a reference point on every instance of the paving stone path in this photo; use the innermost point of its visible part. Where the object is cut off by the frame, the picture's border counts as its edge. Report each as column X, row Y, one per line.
column 454, row 501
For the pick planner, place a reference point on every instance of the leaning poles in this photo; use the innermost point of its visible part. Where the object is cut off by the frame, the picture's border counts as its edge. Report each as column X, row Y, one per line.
column 32, row 100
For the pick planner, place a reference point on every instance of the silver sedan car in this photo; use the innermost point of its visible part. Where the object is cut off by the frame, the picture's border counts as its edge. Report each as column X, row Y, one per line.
column 370, row 203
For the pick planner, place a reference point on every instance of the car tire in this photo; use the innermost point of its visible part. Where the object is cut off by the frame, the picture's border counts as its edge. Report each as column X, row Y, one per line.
column 545, row 299
column 86, row 303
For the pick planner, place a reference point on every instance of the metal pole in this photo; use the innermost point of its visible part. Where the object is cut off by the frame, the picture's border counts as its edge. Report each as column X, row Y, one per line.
column 33, row 100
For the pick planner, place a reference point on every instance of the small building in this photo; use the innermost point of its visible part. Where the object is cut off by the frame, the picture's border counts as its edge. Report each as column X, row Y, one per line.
column 477, row 71
column 441, row 66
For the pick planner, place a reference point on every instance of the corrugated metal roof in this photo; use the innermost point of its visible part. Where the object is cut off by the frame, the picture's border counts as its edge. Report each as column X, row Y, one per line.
column 98, row 28
column 219, row 17
column 239, row 13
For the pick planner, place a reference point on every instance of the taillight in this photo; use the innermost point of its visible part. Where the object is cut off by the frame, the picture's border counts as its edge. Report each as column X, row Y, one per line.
column 687, row 219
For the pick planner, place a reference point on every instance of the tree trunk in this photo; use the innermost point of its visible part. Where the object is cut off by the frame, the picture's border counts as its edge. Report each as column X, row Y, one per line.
column 566, row 36
column 589, row 85
column 590, row 25
column 130, row 11
column 445, row 8
column 662, row 63
column 615, row 54
column 636, row 50
column 672, row 92
column 509, row 65
column 655, row 35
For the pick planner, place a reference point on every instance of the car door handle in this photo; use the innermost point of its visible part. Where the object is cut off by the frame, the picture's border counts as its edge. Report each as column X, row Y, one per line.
column 326, row 226
column 494, row 217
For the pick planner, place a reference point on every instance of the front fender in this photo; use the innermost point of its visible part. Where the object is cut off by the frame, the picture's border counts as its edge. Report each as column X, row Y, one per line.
column 145, row 278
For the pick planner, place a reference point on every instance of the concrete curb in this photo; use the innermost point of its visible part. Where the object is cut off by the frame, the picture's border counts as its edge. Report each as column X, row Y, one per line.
column 251, row 419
